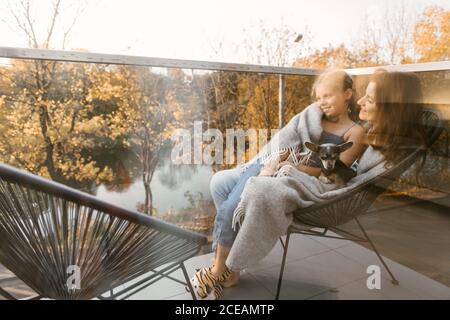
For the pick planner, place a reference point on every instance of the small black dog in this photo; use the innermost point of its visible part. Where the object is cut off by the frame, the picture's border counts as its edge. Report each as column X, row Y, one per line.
column 333, row 169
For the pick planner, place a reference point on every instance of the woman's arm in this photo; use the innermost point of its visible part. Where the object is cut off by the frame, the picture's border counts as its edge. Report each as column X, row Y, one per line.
column 312, row 171
column 356, row 135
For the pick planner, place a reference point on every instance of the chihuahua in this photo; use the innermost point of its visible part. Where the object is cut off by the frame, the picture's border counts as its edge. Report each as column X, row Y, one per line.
column 333, row 169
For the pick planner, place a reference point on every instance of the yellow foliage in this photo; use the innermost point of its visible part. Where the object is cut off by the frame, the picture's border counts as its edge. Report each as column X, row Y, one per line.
column 432, row 34
column 86, row 107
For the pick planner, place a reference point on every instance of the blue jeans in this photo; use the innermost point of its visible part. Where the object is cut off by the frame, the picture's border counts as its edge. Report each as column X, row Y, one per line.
column 226, row 189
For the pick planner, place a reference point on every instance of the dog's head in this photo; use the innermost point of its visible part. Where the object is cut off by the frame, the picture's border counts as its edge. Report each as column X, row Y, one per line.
column 328, row 152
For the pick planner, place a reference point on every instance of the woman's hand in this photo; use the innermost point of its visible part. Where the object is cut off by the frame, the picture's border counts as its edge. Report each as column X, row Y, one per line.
column 285, row 163
column 299, row 167
column 312, row 171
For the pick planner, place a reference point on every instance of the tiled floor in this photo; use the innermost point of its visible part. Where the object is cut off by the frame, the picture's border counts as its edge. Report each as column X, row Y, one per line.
column 414, row 234
column 316, row 268
column 13, row 285
column 323, row 268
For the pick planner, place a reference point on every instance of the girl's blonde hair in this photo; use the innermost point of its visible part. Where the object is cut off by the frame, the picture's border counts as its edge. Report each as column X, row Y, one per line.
column 343, row 81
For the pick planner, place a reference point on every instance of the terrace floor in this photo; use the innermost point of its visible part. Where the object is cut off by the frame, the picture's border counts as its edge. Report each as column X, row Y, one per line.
column 316, row 268
column 414, row 234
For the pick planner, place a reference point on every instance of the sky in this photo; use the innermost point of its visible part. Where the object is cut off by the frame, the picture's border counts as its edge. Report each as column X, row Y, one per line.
column 194, row 29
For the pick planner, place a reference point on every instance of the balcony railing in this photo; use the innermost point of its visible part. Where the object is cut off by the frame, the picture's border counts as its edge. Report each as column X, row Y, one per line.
column 102, row 123
column 221, row 95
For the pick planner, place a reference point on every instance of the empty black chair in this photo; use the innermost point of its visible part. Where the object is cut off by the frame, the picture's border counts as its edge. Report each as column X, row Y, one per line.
column 48, row 231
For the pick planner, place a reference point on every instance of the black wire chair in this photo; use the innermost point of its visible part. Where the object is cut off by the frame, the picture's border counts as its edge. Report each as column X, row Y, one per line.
column 330, row 214
column 47, row 230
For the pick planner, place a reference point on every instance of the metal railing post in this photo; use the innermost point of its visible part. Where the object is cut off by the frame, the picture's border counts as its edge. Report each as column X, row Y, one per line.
column 281, row 96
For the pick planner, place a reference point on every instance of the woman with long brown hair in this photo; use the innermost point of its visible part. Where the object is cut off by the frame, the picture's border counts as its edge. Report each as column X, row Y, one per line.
column 392, row 109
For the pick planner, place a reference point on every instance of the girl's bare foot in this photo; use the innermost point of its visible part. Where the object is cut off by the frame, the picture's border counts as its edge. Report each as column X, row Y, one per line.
column 232, row 280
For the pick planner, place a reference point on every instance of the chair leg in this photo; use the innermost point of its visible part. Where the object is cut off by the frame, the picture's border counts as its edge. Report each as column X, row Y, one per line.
column 280, row 278
column 394, row 280
column 188, row 281
column 281, row 241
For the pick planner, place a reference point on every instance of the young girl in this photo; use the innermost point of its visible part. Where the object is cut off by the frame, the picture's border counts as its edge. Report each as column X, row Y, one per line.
column 333, row 91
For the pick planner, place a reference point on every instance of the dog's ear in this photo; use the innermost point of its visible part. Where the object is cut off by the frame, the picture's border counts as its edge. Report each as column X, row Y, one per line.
column 345, row 146
column 312, row 146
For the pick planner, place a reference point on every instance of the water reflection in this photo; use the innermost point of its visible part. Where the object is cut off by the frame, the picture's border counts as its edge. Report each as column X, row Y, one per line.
column 169, row 186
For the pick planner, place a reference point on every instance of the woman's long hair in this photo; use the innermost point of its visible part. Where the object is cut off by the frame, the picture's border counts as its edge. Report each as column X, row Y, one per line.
column 398, row 122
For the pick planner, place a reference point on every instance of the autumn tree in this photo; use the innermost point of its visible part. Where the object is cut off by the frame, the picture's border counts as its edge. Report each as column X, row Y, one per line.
column 158, row 111
column 86, row 115
column 63, row 16
column 279, row 46
column 72, row 121
column 260, row 95
column 329, row 57
column 34, row 88
column 274, row 46
column 432, row 34
column 222, row 98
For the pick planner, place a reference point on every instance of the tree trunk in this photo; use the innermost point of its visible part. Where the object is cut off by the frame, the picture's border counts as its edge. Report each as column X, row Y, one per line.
column 48, row 146
column 150, row 162
column 148, row 205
